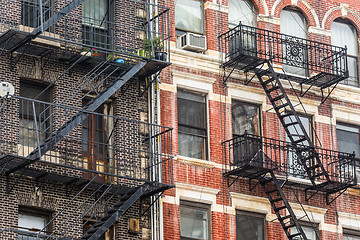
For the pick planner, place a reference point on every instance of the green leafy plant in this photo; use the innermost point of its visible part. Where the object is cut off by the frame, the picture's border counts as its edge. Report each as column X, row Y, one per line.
column 150, row 46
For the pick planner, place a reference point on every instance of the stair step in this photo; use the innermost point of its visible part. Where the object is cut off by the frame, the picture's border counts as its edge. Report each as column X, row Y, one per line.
column 264, row 72
column 294, row 235
column 290, row 124
column 279, row 208
column 278, row 98
column 276, row 199
column 271, row 191
column 289, row 226
column 284, row 218
column 265, row 83
column 288, row 114
column 300, row 140
column 272, row 89
column 281, row 106
column 266, row 180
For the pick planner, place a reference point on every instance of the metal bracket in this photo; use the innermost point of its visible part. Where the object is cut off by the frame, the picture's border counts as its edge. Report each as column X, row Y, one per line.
column 306, row 194
column 328, row 201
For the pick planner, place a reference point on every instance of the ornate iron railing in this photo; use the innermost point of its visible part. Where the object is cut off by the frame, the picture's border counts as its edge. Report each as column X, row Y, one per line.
column 267, row 153
column 317, row 60
column 114, row 147
column 128, row 29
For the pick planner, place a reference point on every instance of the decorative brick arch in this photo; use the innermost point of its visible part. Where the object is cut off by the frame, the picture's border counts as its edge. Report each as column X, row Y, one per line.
column 261, row 6
column 308, row 11
column 341, row 12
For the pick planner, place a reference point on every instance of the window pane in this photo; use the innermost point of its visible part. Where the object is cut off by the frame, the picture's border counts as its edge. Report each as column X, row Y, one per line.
column 348, row 139
column 192, row 146
column 294, row 24
column 310, row 233
column 193, row 223
column 95, row 13
column 242, row 11
column 343, row 34
column 350, row 237
column 248, row 227
column 295, row 166
column 245, row 117
column 189, row 15
column 192, row 133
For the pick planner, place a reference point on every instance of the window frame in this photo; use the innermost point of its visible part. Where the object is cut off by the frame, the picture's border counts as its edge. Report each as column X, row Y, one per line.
column 36, row 212
column 198, row 206
column 206, row 129
column 191, row 31
column 258, row 106
column 309, row 225
column 232, row 25
column 252, row 215
column 357, row 57
column 351, row 233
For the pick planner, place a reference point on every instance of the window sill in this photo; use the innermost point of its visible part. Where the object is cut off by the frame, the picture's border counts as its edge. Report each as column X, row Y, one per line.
column 195, row 162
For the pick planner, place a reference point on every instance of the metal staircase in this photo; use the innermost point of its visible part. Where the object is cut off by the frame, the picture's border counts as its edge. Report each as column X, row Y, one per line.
column 76, row 119
column 270, row 81
column 113, row 214
column 279, row 203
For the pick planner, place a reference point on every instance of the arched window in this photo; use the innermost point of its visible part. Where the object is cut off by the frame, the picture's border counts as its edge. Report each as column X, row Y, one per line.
column 293, row 23
column 344, row 34
column 242, row 11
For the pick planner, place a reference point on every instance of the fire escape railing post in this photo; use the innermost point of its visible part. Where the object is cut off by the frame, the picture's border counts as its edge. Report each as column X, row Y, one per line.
column 36, row 130
column 41, row 16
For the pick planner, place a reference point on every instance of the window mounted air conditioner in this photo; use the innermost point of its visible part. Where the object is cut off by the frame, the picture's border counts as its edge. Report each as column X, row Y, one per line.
column 192, row 42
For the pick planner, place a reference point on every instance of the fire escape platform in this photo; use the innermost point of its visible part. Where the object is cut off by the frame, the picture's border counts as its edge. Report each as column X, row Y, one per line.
column 13, row 39
column 10, row 161
column 254, row 156
column 318, row 64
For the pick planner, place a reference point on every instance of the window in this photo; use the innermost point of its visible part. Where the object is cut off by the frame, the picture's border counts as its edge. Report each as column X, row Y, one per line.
column 348, row 140
column 295, row 167
column 30, row 12
column 96, row 18
column 309, row 230
column 351, row 234
column 97, row 140
column 293, row 24
column 344, row 34
column 194, row 221
column 242, row 11
column 250, row 226
column 189, row 16
column 32, row 220
column 108, row 235
column 192, row 122
column 28, row 135
column 245, row 117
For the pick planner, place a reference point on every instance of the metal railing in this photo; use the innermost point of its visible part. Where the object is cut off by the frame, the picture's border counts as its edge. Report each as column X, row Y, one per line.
column 20, row 234
column 282, row 157
column 244, row 42
column 111, row 146
column 128, row 29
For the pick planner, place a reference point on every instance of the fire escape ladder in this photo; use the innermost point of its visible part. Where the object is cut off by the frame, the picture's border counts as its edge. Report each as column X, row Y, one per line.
column 279, row 203
column 51, row 141
column 47, row 24
column 113, row 214
column 309, row 158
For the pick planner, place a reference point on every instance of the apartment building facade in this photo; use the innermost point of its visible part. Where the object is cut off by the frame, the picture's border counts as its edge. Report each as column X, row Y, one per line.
column 264, row 104
column 82, row 155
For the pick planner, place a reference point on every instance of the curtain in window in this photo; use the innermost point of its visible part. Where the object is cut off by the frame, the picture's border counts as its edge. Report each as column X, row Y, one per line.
column 248, row 227
column 242, row 11
column 189, row 15
column 95, row 13
column 294, row 24
column 342, row 35
column 245, row 117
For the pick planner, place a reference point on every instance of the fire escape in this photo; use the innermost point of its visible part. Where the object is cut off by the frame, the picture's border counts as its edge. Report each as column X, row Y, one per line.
column 43, row 141
column 266, row 161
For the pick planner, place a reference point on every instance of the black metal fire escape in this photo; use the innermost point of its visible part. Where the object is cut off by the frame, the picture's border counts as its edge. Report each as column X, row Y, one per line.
column 255, row 50
column 113, row 76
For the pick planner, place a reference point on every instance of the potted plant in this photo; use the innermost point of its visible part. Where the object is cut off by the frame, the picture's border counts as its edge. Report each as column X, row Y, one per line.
column 154, row 45
column 90, row 52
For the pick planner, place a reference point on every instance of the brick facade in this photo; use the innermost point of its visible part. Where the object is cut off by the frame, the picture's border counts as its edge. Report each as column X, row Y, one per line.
column 202, row 181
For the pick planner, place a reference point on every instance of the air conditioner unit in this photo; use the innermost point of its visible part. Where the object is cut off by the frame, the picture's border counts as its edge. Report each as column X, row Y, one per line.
column 192, row 42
